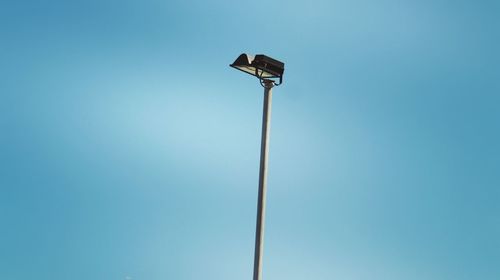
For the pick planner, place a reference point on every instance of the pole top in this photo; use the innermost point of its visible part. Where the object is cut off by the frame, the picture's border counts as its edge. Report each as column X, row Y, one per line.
column 267, row 84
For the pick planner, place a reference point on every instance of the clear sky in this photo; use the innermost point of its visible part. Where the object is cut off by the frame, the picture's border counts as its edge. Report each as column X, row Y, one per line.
column 129, row 149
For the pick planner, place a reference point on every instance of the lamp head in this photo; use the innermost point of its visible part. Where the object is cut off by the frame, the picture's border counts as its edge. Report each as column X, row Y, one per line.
column 260, row 66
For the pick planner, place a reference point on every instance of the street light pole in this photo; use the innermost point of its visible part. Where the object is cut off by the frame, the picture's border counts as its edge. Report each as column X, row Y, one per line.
column 261, row 204
column 270, row 74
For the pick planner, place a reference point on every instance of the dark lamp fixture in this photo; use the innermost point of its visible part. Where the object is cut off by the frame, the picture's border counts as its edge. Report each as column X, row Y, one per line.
column 260, row 66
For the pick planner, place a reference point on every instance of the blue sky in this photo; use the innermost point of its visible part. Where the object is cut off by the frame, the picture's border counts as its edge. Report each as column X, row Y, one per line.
column 129, row 148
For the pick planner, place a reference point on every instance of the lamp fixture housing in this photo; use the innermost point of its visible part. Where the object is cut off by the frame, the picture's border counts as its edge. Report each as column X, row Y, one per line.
column 260, row 66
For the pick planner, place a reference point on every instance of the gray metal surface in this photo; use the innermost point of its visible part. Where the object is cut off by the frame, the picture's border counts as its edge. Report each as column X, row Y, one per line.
column 261, row 205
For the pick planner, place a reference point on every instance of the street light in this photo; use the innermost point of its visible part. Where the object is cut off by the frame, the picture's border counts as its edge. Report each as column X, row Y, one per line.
column 260, row 66
column 268, row 70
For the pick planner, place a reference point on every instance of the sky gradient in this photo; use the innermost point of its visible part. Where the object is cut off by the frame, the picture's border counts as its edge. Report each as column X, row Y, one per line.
column 129, row 149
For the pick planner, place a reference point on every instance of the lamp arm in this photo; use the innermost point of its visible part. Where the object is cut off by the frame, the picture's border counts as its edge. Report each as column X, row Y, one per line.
column 263, row 84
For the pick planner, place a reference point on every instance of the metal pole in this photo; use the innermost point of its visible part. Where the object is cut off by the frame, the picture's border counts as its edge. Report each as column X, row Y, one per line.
column 261, row 204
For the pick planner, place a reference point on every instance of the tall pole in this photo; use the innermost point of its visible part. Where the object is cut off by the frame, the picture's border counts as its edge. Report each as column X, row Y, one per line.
column 261, row 204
